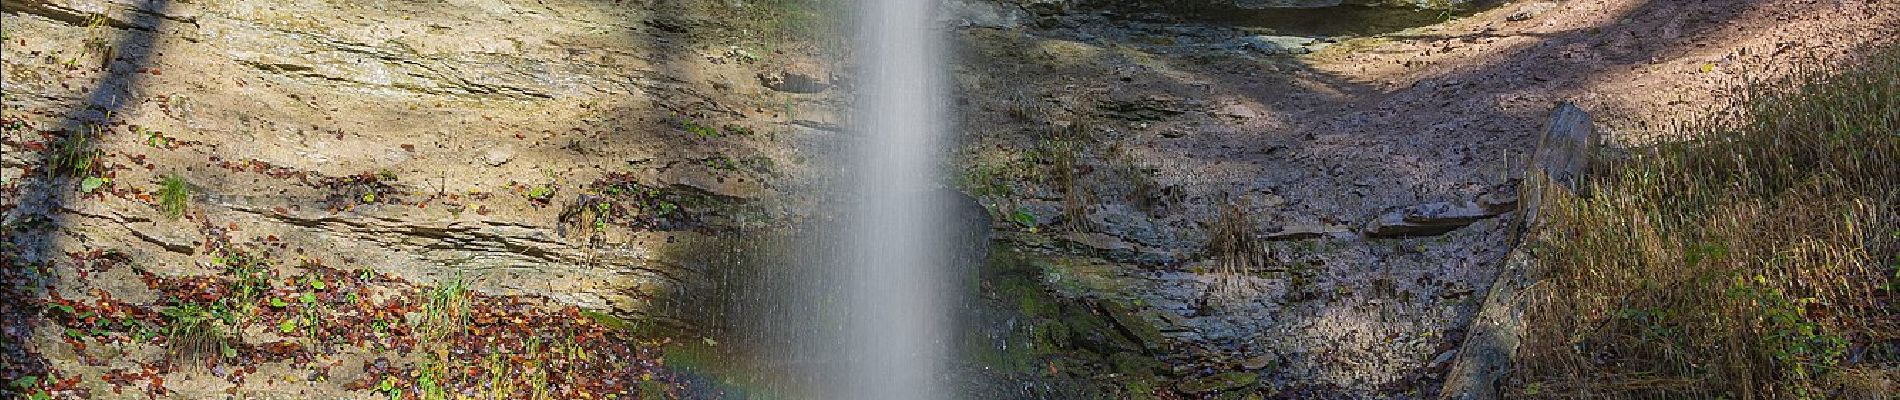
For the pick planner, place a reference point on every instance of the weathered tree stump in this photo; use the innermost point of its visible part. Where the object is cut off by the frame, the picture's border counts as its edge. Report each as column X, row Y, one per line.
column 1557, row 169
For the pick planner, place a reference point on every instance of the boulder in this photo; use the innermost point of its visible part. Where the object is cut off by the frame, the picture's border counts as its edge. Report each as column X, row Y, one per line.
column 1149, row 109
column 969, row 231
column 1132, row 364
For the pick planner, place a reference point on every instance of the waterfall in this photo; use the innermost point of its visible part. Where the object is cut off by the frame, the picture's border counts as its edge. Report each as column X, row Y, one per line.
column 895, row 341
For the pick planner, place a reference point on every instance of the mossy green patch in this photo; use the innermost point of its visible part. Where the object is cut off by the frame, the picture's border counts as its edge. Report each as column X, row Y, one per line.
column 611, row 321
column 1131, row 364
column 1144, row 333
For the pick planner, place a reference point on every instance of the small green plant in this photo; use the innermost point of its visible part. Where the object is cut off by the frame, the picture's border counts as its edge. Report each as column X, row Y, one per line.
column 722, row 163
column 191, row 329
column 1059, row 152
column 537, row 374
column 93, row 183
column 250, row 279
column 984, row 180
column 430, row 382
column 1023, row 219
column 1804, row 349
column 76, row 155
column 96, row 42
column 311, row 317
column 1144, row 192
column 700, row 131
column 30, row 387
column 152, row 137
column 540, row 192
column 501, row 384
column 389, row 387
column 737, row 130
column 95, row 26
column 173, row 193
column 446, row 309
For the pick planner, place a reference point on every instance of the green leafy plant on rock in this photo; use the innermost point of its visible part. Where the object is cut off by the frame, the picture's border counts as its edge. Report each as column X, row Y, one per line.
column 540, row 193
column 699, row 131
column 250, row 279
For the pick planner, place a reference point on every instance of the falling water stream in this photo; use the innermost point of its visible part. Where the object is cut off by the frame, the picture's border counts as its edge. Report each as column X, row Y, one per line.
column 895, row 265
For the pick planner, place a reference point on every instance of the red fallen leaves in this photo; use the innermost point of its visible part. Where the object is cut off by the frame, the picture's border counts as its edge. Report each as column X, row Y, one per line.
column 120, row 378
column 265, row 168
column 499, row 324
column 67, row 384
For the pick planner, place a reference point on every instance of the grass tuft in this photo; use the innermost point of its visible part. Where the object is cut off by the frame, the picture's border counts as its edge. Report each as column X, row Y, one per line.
column 173, row 196
column 1752, row 257
column 76, row 155
column 1235, row 250
column 1059, row 151
column 191, row 330
column 446, row 311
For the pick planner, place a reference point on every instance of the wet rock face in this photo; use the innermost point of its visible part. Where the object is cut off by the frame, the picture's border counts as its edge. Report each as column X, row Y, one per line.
column 969, row 233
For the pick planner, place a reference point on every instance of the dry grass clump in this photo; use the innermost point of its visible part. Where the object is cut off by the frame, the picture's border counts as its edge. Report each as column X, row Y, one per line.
column 1754, row 261
column 1236, row 252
